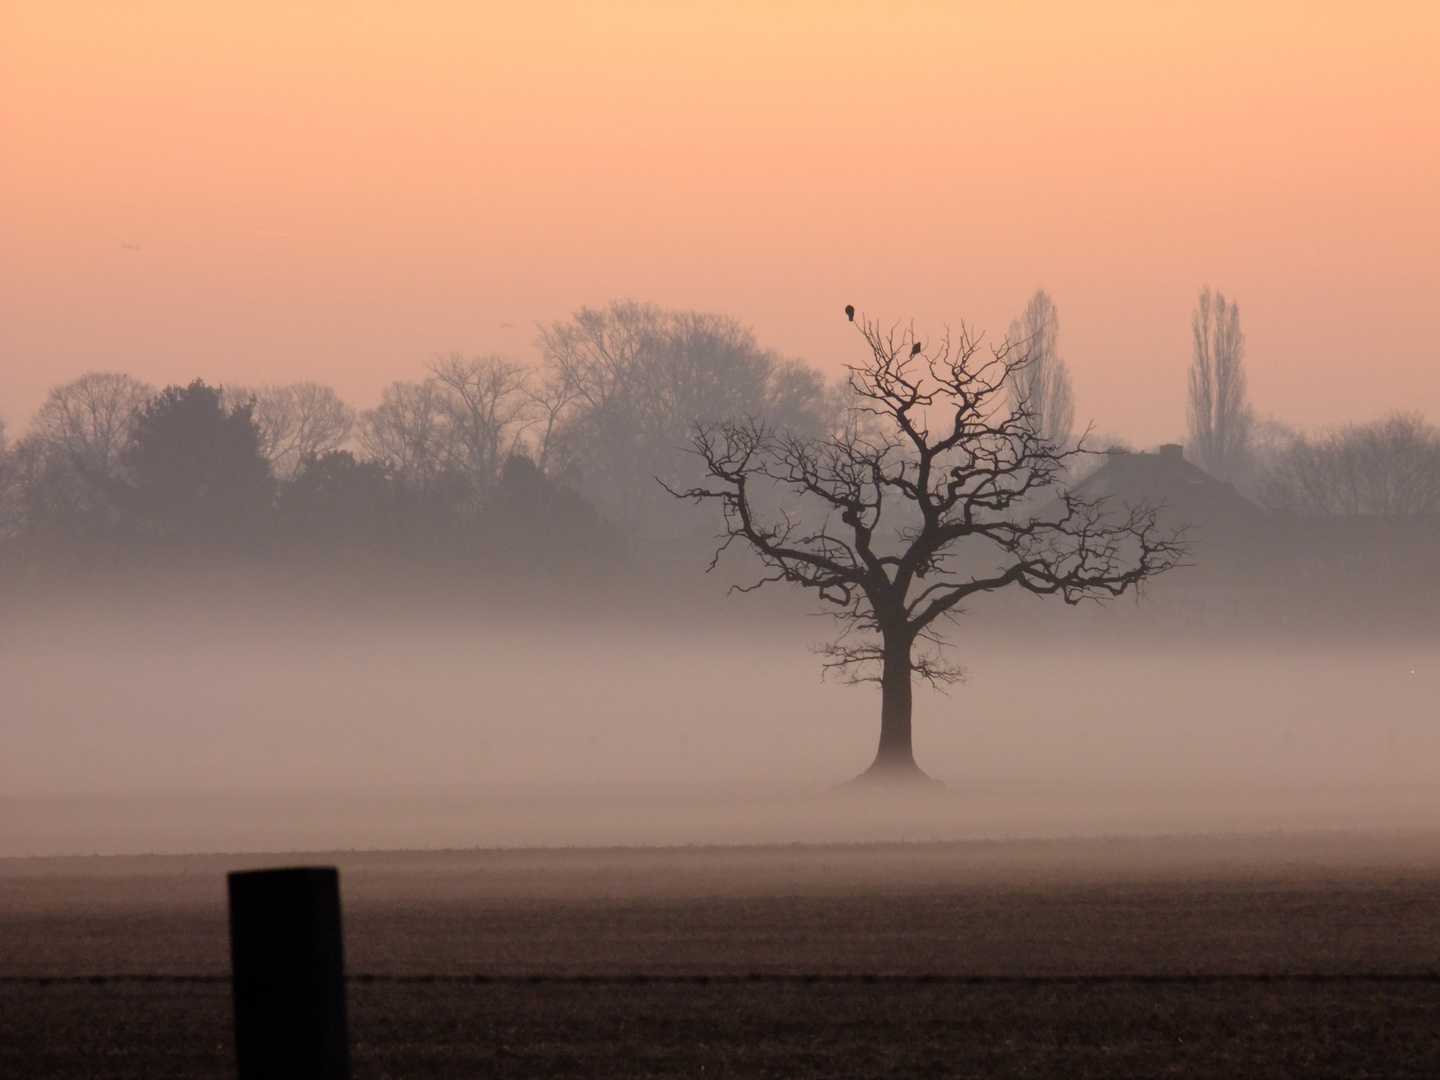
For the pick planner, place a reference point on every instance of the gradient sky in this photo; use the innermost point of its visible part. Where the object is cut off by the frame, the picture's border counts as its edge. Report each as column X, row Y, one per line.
column 268, row 192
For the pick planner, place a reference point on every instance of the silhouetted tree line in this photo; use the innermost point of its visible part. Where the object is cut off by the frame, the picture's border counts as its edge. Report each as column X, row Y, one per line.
column 188, row 475
column 487, row 462
column 483, row 463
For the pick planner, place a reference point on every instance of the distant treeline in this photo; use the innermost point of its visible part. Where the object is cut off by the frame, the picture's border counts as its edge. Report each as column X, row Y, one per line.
column 490, row 465
column 484, row 463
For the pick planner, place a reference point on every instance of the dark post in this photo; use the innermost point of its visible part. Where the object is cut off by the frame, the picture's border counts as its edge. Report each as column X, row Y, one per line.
column 285, row 949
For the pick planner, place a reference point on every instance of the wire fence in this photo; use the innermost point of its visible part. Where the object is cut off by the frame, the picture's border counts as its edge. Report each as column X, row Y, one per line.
column 777, row 978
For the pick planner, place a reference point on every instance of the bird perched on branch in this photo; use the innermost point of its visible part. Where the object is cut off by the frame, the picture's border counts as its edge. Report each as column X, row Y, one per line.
column 850, row 312
column 914, row 349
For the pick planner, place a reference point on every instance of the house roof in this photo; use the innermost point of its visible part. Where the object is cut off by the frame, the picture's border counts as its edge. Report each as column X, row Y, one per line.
column 1190, row 495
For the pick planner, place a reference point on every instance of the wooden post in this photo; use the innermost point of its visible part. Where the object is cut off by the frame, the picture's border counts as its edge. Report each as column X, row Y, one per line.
column 289, row 977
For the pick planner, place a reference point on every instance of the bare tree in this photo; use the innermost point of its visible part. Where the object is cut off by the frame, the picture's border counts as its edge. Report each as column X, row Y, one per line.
column 72, row 453
column 89, row 420
column 1042, row 383
column 553, row 400
column 487, row 405
column 636, row 378
column 1389, row 467
column 615, row 431
column 296, row 420
column 463, row 422
column 894, row 522
column 1218, row 410
column 407, row 432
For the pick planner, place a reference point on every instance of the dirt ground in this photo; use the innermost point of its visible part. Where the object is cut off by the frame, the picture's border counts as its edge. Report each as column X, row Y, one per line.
column 1266, row 955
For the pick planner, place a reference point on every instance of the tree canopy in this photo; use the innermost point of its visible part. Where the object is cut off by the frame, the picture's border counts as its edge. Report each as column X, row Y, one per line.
column 193, row 468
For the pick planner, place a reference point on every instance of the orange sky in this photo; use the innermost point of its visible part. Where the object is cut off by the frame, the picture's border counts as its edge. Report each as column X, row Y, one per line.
column 342, row 191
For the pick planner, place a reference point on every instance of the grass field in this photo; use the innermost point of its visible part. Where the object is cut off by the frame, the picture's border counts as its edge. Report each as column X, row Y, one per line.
column 1245, row 956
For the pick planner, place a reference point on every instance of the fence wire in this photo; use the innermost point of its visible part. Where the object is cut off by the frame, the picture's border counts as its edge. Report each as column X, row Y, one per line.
column 774, row 978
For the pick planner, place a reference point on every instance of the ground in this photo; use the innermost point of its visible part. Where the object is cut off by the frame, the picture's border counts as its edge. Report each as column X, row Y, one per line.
column 1275, row 955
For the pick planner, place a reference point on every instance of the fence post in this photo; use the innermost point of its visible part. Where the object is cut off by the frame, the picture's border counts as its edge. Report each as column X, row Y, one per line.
column 289, row 980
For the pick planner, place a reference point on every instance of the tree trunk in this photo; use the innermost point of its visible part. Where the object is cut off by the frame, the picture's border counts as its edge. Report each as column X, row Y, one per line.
column 895, row 759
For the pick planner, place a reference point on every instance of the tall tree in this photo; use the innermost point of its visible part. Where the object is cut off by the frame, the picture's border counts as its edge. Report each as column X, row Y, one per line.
column 920, row 501
column 194, row 470
column 1042, row 382
column 1218, row 409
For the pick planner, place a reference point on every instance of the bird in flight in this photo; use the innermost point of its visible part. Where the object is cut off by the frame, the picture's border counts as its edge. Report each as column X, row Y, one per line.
column 850, row 312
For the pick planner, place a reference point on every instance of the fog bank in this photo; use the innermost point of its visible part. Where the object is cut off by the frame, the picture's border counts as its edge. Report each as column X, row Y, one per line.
column 184, row 729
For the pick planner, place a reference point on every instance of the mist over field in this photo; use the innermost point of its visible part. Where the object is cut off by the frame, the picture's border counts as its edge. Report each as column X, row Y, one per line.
column 241, row 719
column 337, row 504
column 480, row 615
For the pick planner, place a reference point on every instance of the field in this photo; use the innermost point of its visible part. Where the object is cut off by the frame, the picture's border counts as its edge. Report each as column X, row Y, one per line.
column 1273, row 955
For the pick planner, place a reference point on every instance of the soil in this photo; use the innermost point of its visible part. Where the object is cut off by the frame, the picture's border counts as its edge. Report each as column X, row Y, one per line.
column 1249, row 956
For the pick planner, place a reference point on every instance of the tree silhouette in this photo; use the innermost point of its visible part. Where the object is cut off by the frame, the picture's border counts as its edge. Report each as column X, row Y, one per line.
column 408, row 433
column 1389, row 467
column 88, row 420
column 194, row 471
column 635, row 378
column 1044, row 380
column 69, row 461
column 487, row 406
column 11, row 492
column 922, row 499
column 1218, row 410
column 335, row 504
column 536, row 523
column 296, row 420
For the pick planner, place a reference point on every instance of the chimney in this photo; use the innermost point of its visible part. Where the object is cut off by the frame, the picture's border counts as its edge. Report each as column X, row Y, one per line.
column 1172, row 450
